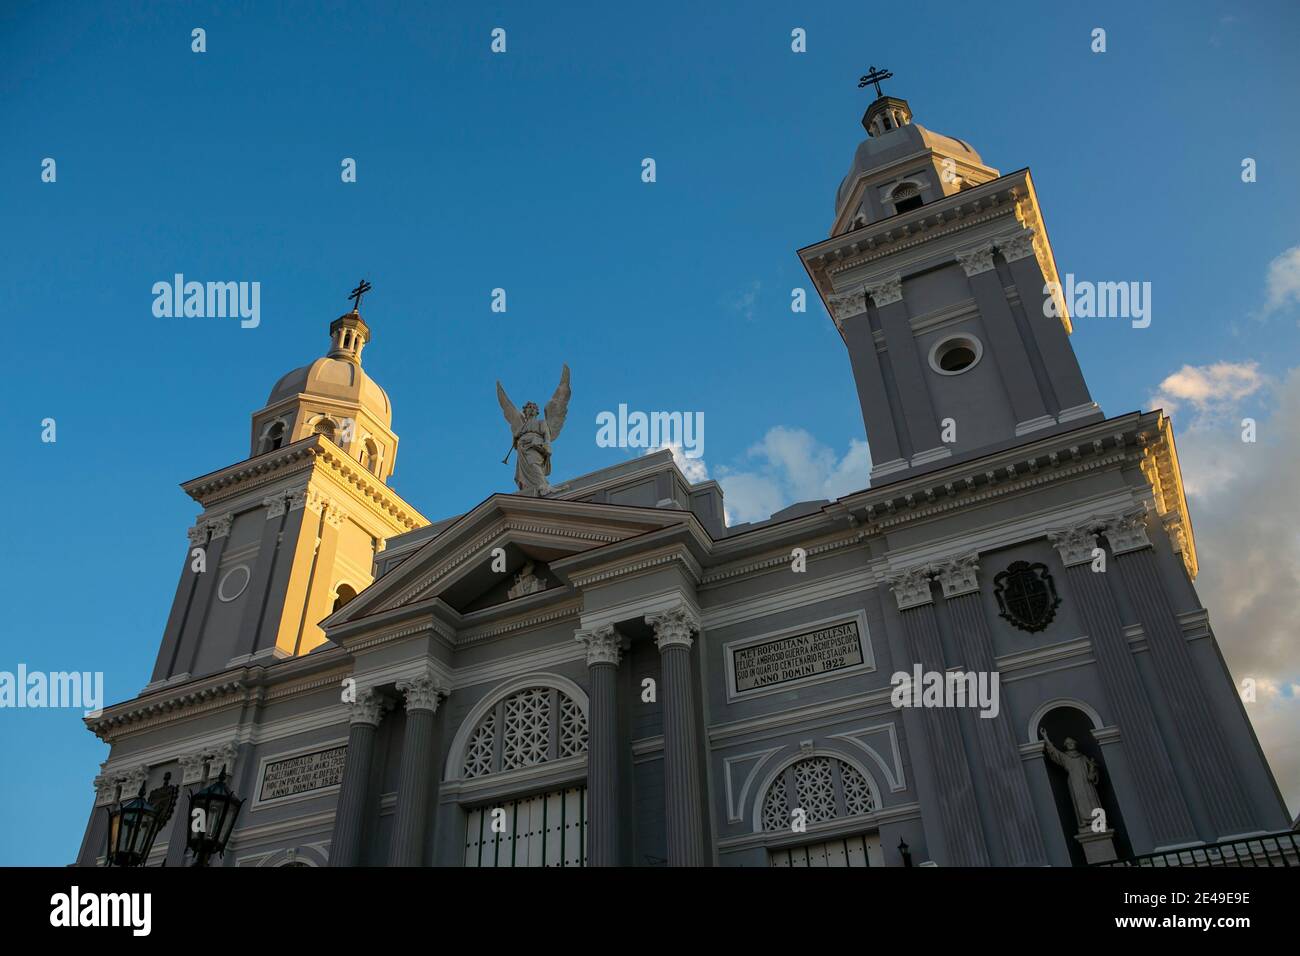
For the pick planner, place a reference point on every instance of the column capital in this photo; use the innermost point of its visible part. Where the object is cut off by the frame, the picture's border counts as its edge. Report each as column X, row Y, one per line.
column 105, row 789
column 1076, row 543
column 335, row 516
column 368, row 708
column 976, row 259
column 198, row 535
column 911, row 586
column 1127, row 531
column 1018, row 244
column 275, row 506
column 220, row 526
column 959, row 575
column 886, row 291
column 604, row 644
column 191, row 767
column 212, row 759
column 423, row 692
column 674, row 626
column 851, row 302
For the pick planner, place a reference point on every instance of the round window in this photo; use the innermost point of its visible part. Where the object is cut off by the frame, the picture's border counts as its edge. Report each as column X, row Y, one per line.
column 233, row 583
column 952, row 356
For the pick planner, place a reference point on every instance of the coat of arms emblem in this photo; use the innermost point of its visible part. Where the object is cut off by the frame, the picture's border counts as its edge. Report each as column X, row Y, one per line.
column 1026, row 595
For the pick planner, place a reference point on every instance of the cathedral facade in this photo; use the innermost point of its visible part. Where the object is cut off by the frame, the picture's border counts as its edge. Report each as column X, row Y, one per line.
column 994, row 655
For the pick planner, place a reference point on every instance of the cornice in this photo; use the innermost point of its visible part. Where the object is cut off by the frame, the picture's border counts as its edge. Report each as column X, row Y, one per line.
column 280, row 681
column 143, row 714
column 943, row 217
column 474, row 635
column 475, row 547
column 1113, row 442
column 1160, row 467
column 780, row 559
column 245, row 477
column 676, row 554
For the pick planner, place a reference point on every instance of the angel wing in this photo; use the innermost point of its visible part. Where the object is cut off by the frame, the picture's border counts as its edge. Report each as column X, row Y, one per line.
column 513, row 416
column 557, row 409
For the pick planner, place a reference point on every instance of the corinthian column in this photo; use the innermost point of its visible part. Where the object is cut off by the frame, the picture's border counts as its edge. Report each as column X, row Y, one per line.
column 349, row 815
column 995, row 737
column 415, row 782
column 959, row 816
column 604, row 650
column 683, row 802
column 1158, row 789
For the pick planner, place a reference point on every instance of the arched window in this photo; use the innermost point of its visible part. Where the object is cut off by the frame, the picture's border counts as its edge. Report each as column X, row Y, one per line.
column 343, row 595
column 370, row 456
column 326, row 427
column 906, row 196
column 823, row 787
column 275, row 436
column 523, row 729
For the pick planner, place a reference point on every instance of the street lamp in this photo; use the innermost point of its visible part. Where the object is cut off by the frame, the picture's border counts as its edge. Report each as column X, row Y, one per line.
column 132, row 827
column 212, row 819
column 905, row 852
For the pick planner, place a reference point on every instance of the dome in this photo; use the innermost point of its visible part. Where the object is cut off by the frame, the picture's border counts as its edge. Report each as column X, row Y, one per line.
column 880, row 150
column 338, row 379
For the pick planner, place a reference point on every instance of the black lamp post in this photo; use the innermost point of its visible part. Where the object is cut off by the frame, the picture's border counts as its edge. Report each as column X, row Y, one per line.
column 132, row 827
column 212, row 819
column 905, row 852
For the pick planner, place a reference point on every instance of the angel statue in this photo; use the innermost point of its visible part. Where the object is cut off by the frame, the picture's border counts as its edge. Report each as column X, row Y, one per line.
column 533, row 436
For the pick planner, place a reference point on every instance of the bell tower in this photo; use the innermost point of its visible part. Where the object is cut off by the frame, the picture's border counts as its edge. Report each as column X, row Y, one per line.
column 289, row 534
column 936, row 274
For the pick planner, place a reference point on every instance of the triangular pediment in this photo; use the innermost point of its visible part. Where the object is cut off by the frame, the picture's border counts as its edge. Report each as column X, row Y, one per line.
column 482, row 557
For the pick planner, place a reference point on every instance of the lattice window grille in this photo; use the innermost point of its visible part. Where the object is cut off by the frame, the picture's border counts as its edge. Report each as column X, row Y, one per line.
column 573, row 727
column 823, row 787
column 858, row 797
column 523, row 730
column 481, row 746
column 526, row 736
column 814, row 787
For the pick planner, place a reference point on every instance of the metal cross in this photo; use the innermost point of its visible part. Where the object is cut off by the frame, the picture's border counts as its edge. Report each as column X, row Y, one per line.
column 874, row 77
column 362, row 288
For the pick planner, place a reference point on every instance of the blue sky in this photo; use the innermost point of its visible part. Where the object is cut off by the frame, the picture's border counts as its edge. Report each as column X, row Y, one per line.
column 522, row 171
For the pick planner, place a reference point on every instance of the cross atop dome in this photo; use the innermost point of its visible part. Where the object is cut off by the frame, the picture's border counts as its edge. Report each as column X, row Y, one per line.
column 362, row 288
column 885, row 112
column 874, row 77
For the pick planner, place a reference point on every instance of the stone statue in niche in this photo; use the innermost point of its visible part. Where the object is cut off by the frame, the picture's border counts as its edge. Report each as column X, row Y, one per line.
column 1083, row 777
column 526, row 582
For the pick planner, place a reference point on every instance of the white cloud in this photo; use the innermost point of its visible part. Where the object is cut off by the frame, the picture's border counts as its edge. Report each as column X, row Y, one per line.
column 1283, row 280
column 694, row 469
column 789, row 465
column 1246, row 518
column 1209, row 388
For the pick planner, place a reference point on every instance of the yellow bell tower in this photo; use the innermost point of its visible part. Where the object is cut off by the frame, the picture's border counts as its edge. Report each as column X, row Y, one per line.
column 291, row 533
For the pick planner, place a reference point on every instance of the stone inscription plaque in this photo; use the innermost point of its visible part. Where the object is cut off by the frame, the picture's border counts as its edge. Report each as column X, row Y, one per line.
column 800, row 655
column 286, row 778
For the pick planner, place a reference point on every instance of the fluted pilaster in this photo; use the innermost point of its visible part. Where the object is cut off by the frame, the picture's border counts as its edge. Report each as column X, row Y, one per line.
column 995, row 738
column 682, row 797
column 415, row 782
column 349, row 817
column 604, row 651
column 1153, row 771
